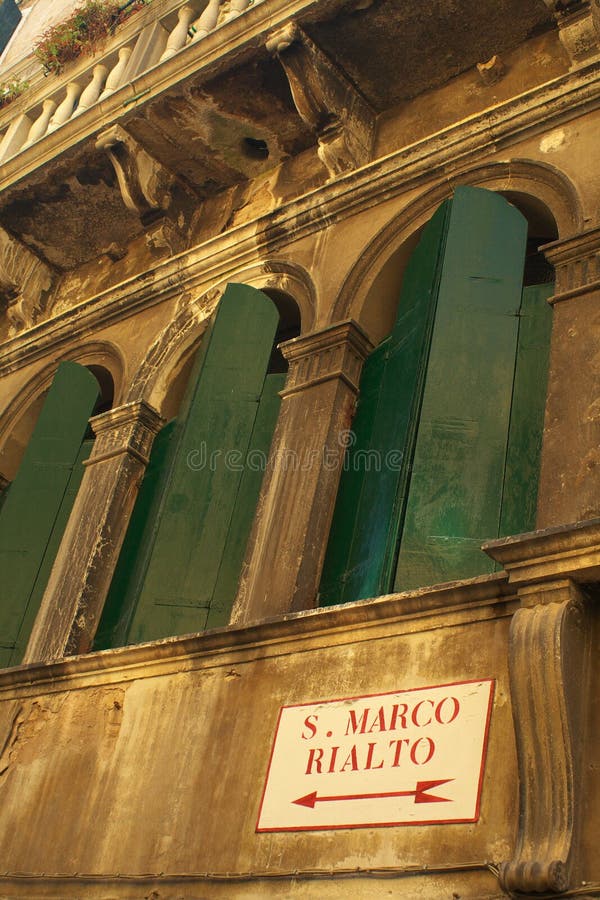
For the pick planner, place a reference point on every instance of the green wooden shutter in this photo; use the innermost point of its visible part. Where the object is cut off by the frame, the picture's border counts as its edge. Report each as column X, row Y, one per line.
column 195, row 545
column 437, row 467
column 245, row 502
column 39, row 501
column 455, row 494
column 361, row 551
column 519, row 501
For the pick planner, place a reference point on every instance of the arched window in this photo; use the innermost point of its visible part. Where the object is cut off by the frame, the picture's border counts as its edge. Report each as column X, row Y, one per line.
column 447, row 434
column 181, row 559
column 39, row 501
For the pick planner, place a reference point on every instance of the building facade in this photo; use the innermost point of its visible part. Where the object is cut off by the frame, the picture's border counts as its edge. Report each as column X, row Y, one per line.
column 299, row 429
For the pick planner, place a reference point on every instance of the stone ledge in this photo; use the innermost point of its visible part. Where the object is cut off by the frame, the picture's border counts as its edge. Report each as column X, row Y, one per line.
column 565, row 551
column 480, row 597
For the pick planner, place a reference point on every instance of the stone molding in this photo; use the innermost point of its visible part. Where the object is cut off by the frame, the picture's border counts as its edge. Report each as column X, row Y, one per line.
column 326, row 100
column 577, row 263
column 476, row 600
column 548, row 662
column 566, row 551
column 127, row 429
column 434, row 157
column 338, row 351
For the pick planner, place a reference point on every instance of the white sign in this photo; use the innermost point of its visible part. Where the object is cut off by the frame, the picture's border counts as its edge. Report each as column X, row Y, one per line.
column 411, row 757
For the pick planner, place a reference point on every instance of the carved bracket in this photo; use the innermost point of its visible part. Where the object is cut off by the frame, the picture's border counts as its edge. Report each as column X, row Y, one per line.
column 325, row 100
column 145, row 184
column 25, row 283
column 549, row 653
column 578, row 27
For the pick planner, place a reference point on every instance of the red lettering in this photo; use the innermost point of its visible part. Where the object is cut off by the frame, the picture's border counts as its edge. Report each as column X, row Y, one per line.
column 399, row 711
column 378, row 723
column 334, row 751
column 315, row 755
column 440, row 708
column 353, row 723
column 415, row 714
column 429, row 751
column 351, row 761
column 398, row 745
column 311, row 727
column 370, row 753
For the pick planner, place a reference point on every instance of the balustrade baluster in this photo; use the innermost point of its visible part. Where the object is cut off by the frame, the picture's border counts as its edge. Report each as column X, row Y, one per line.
column 207, row 21
column 116, row 74
column 93, row 90
column 40, row 126
column 237, row 7
column 65, row 109
column 178, row 36
column 15, row 137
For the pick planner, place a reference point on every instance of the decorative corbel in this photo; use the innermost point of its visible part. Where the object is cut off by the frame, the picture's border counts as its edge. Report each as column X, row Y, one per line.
column 326, row 100
column 549, row 654
column 26, row 282
column 145, row 184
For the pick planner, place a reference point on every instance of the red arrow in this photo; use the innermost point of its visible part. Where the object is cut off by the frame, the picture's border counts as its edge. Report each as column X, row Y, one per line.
column 420, row 793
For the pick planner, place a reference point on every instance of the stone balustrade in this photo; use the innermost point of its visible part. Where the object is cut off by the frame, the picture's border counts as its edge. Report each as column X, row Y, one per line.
column 130, row 53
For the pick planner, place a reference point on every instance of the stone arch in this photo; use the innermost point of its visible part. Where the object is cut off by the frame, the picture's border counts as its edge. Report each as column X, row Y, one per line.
column 170, row 353
column 543, row 184
column 19, row 417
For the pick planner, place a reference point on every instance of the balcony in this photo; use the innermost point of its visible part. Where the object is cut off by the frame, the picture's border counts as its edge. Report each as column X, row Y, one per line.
column 188, row 100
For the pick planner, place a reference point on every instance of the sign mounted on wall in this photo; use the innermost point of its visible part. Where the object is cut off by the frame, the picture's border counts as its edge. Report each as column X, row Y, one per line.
column 411, row 757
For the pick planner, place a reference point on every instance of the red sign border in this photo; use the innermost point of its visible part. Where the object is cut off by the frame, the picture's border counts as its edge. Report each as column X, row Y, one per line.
column 294, row 828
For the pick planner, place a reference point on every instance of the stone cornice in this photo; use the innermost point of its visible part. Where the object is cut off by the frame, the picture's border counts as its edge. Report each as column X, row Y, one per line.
column 573, row 248
column 577, row 263
column 429, row 160
column 567, row 551
column 476, row 599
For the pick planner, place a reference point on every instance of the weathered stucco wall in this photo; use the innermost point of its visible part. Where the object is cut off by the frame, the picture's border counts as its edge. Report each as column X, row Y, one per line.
column 152, row 760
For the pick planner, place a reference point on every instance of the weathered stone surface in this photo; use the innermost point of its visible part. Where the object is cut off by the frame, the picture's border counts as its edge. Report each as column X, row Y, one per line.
column 168, row 744
column 283, row 564
column 165, row 747
column 570, row 469
column 80, row 579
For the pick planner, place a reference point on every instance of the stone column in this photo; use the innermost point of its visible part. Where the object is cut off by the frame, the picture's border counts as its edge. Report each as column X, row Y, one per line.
column 569, row 488
column 83, row 570
column 287, row 545
column 549, row 664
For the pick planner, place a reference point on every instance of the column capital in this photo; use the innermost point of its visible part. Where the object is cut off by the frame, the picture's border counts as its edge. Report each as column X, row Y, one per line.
column 130, row 428
column 576, row 260
column 337, row 351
